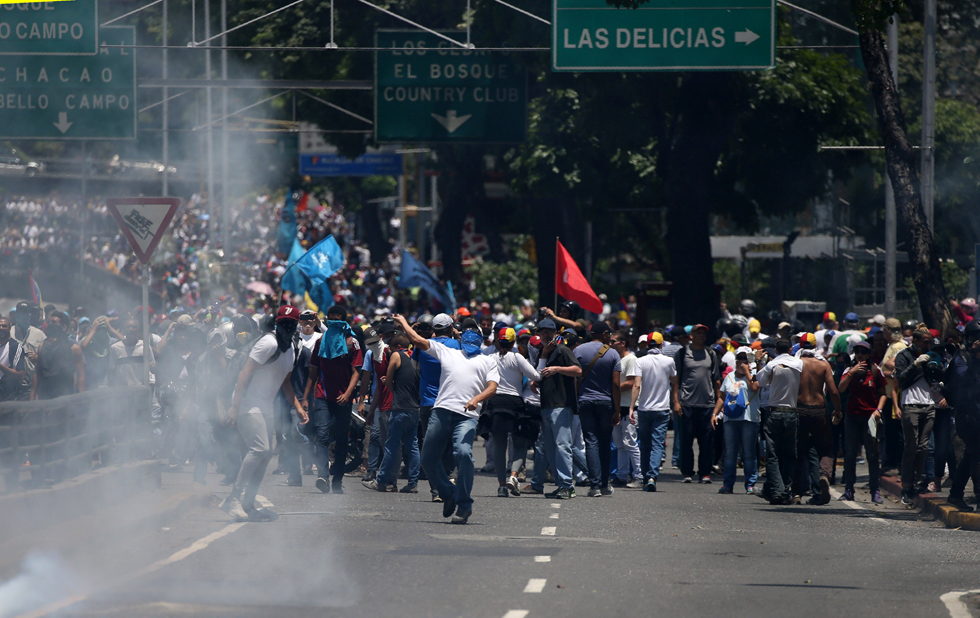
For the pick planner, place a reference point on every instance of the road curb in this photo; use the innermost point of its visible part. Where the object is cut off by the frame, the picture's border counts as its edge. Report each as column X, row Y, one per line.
column 934, row 505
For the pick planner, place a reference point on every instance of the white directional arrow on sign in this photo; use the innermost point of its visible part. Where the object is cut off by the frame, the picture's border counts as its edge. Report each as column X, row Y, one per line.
column 63, row 124
column 451, row 121
column 746, row 36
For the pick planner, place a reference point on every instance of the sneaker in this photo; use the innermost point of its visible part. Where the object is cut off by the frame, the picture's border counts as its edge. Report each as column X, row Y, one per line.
column 337, row 488
column 502, row 492
column 233, row 507
column 959, row 503
column 618, row 482
column 370, row 476
column 279, row 470
column 488, row 468
column 717, row 469
column 726, row 490
column 634, row 484
column 461, row 517
column 750, row 490
column 563, row 493
column 553, row 494
column 907, row 497
column 687, row 479
column 650, row 485
column 583, row 483
column 860, row 461
column 514, row 486
column 606, row 491
column 595, row 492
column 291, row 483
column 824, row 490
column 409, row 489
column 795, row 500
column 876, row 497
column 705, row 480
column 448, row 506
column 263, row 515
column 323, row 485
column 435, row 497
column 227, row 481
column 673, row 466
column 931, row 487
column 571, row 492
column 522, row 474
column 531, row 489
column 847, row 496
column 308, row 471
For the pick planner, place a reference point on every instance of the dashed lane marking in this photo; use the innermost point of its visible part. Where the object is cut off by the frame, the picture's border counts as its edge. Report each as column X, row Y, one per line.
column 542, row 558
column 556, row 505
column 549, row 530
column 535, row 585
column 516, row 613
column 553, row 516
column 957, row 608
column 857, row 507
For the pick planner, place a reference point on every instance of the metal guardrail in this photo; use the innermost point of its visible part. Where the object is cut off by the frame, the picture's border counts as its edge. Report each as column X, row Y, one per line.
column 64, row 437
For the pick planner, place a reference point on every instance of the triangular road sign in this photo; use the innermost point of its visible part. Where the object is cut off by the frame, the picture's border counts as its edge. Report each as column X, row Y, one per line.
column 143, row 220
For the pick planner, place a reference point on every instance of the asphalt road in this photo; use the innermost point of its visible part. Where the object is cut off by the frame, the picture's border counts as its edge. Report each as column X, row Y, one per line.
column 684, row 551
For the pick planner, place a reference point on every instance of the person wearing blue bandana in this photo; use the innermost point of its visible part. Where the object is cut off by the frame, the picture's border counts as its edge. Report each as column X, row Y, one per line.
column 468, row 378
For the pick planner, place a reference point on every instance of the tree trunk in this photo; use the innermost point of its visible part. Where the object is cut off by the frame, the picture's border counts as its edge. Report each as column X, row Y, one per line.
column 461, row 188
column 901, row 162
column 703, row 122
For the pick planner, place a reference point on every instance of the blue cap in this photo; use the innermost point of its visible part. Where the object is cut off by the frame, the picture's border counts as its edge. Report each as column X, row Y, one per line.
column 547, row 323
column 851, row 317
column 874, row 330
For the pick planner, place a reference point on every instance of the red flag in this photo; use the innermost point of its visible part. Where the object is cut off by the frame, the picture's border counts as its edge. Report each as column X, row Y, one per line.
column 571, row 284
column 304, row 202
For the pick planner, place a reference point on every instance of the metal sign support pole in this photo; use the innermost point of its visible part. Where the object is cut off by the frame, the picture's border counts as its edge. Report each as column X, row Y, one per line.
column 891, row 219
column 147, row 343
column 166, row 110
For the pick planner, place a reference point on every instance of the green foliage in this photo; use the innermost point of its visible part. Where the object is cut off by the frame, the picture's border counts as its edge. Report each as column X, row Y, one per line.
column 507, row 282
column 955, row 279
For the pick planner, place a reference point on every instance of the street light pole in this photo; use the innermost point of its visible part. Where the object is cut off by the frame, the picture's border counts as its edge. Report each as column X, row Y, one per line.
column 891, row 222
column 929, row 114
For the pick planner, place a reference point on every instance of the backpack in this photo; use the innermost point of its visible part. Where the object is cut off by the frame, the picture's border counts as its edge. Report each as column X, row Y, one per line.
column 736, row 405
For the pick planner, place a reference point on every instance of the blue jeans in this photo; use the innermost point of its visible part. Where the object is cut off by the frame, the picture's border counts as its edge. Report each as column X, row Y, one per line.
column 596, row 417
column 538, row 475
column 402, row 431
column 556, row 433
column 449, row 427
column 332, row 423
column 652, row 432
column 580, row 467
column 744, row 434
column 675, row 451
column 941, row 446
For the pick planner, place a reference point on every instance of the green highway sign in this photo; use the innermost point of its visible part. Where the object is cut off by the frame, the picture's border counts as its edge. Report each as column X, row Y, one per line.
column 60, row 28
column 429, row 90
column 664, row 35
column 72, row 97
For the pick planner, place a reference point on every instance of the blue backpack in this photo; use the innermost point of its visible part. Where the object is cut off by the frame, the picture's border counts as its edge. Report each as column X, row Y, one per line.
column 736, row 405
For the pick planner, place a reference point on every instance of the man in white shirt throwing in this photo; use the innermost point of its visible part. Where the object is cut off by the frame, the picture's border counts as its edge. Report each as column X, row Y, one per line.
column 654, row 377
column 268, row 369
column 468, row 378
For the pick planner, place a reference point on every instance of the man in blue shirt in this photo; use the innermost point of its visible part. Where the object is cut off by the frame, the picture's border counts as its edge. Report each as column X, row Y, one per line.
column 598, row 389
column 439, row 328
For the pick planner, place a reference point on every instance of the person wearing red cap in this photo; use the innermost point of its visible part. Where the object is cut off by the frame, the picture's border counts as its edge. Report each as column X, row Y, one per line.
column 268, row 369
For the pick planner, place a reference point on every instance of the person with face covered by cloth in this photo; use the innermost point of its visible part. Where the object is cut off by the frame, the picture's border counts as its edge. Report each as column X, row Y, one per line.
column 95, row 339
column 334, row 364
column 60, row 368
column 468, row 378
column 268, row 369
column 962, row 389
column 373, row 371
column 296, row 457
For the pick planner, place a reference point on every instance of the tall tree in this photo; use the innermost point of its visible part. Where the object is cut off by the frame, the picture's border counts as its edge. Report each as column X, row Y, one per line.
column 902, row 160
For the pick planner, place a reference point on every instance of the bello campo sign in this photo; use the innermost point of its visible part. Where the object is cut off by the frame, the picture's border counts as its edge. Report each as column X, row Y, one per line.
column 664, row 35
column 429, row 90
column 50, row 28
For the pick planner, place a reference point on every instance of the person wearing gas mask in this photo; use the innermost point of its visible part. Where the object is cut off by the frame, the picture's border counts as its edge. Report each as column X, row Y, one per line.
column 60, row 367
column 252, row 410
column 962, row 388
column 918, row 410
column 468, row 378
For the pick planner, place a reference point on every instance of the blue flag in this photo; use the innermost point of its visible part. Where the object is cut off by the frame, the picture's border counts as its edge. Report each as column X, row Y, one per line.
column 416, row 274
column 293, row 279
column 287, row 225
column 321, row 261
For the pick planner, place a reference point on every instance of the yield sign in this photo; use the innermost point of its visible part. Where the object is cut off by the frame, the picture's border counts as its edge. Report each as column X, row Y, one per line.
column 143, row 220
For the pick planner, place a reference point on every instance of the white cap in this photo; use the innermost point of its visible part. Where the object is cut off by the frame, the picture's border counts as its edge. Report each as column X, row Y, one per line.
column 878, row 320
column 642, row 339
column 442, row 321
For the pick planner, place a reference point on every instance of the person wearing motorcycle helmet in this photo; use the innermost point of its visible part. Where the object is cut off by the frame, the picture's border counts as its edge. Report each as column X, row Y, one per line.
column 568, row 312
column 747, row 307
column 245, row 330
column 267, row 370
column 962, row 390
column 965, row 310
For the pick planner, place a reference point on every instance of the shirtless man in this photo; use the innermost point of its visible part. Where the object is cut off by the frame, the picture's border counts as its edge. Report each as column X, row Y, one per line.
column 815, row 432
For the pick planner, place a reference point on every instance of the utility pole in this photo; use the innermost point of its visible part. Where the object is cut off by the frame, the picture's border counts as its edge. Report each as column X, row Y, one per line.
column 207, row 119
column 891, row 221
column 929, row 114
column 166, row 110
column 225, row 215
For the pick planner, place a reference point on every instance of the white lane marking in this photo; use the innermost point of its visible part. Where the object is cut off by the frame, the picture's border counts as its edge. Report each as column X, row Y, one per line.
column 194, row 547
column 553, row 516
column 556, row 505
column 956, row 607
column 535, row 585
column 516, row 613
column 264, row 502
column 857, row 507
column 548, row 530
column 542, row 558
